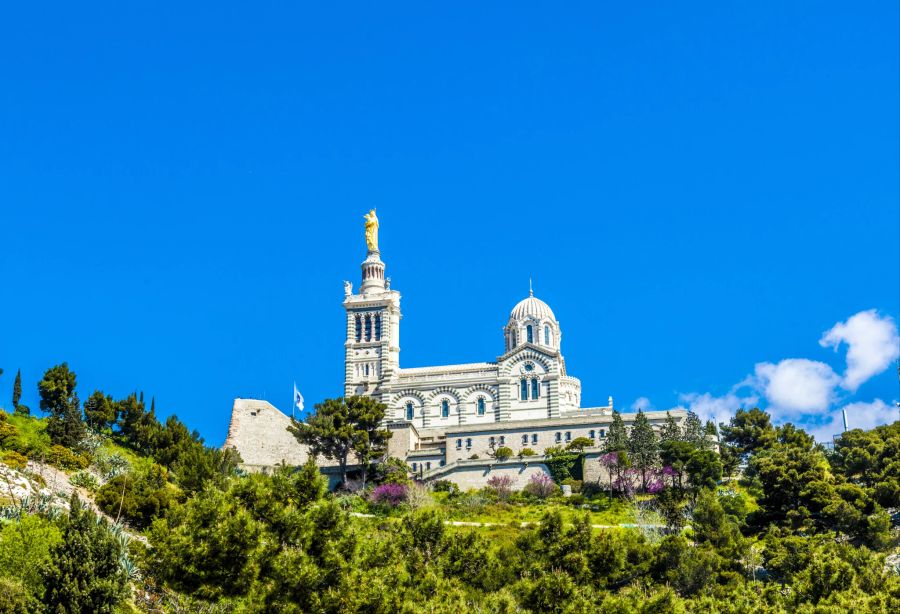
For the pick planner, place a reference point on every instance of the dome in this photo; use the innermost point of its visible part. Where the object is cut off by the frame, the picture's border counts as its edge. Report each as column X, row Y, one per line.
column 532, row 307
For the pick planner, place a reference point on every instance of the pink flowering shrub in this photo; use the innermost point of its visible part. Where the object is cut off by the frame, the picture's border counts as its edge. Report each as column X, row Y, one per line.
column 541, row 485
column 388, row 494
column 502, row 485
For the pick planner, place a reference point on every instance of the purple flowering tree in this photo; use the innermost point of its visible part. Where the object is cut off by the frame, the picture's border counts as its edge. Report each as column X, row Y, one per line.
column 502, row 485
column 389, row 494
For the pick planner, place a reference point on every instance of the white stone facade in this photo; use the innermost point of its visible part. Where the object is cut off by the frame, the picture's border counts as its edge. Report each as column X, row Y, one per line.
column 441, row 417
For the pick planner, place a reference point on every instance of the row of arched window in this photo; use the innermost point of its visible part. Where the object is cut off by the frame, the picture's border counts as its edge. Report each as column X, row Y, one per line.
column 530, row 335
column 480, row 408
column 365, row 325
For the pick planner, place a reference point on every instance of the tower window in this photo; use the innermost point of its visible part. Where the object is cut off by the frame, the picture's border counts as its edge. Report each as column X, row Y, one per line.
column 514, row 340
column 409, row 411
column 524, row 389
column 377, row 327
column 480, row 406
column 368, row 328
column 546, row 335
column 445, row 408
column 535, row 388
column 529, row 333
column 367, row 369
column 358, row 329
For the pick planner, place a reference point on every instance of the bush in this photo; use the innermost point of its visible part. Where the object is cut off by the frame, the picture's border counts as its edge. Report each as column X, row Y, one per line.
column 526, row 452
column 141, row 497
column 110, row 465
column 541, row 486
column 14, row 459
column 575, row 484
column 502, row 453
column 591, row 489
column 388, row 494
column 445, row 486
column 85, row 480
column 474, row 457
column 502, row 485
column 64, row 458
column 392, row 471
column 576, row 500
column 580, row 443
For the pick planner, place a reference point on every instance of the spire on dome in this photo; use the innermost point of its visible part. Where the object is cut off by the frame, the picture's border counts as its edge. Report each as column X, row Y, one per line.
column 530, row 289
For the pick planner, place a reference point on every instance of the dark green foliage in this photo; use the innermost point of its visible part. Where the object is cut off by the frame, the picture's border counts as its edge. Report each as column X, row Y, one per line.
column 503, row 453
column 137, row 498
column 694, row 433
column 580, row 443
column 617, row 436
column 342, row 427
column 748, row 431
column 563, row 465
column 84, row 575
column 704, row 469
column 670, row 431
column 99, row 411
column 17, row 390
column 58, row 398
column 642, row 447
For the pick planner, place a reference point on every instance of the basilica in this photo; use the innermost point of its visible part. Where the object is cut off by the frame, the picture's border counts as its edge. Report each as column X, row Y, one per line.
column 447, row 421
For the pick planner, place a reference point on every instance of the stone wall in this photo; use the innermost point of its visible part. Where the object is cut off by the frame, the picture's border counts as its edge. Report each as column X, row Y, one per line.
column 258, row 431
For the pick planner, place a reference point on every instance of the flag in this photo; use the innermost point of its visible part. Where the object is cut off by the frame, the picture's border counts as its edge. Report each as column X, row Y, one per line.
column 298, row 398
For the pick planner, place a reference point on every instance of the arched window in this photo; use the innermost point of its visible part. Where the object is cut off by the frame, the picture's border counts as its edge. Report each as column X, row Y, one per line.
column 414, row 467
column 529, row 334
column 358, row 329
column 480, row 405
column 514, row 340
column 602, row 432
column 445, row 408
column 592, row 434
column 459, row 444
column 377, row 327
column 534, row 438
column 535, row 388
column 502, row 440
column 546, row 335
column 368, row 328
column 409, row 411
column 524, row 440
column 468, row 443
column 524, row 390
column 367, row 368
column 568, row 435
column 558, row 437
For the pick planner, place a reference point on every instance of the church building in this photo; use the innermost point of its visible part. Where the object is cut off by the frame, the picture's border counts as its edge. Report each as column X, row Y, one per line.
column 447, row 421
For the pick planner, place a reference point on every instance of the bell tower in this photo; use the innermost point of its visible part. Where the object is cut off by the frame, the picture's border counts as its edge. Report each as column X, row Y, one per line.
column 372, row 345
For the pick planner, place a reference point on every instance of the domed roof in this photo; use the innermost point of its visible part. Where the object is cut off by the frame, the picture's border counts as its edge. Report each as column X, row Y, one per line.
column 533, row 307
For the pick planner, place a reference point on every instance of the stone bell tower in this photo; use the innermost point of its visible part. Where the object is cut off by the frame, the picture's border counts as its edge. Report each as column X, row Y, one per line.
column 372, row 345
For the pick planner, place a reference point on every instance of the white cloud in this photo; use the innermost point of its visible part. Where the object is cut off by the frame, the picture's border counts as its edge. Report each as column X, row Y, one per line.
column 860, row 415
column 796, row 386
column 642, row 403
column 872, row 344
column 718, row 409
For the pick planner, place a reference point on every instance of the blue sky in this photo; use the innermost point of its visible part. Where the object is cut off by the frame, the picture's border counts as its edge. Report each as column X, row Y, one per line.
column 700, row 192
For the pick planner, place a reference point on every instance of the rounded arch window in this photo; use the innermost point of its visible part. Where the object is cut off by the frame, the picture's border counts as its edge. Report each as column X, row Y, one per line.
column 480, row 406
column 409, row 411
column 546, row 334
column 445, row 408
column 529, row 333
column 535, row 388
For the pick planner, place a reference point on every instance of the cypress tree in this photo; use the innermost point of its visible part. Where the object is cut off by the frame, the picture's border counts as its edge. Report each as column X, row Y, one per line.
column 671, row 431
column 617, row 438
column 693, row 430
column 642, row 446
column 17, row 390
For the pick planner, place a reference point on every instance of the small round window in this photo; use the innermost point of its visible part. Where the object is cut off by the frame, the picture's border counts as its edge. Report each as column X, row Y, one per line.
column 529, row 367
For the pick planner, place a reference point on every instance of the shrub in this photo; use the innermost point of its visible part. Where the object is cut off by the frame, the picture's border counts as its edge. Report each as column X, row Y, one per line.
column 577, row 500
column 418, row 495
column 140, row 497
column 85, row 480
column 14, row 459
column 502, row 453
column 8, row 432
column 392, row 471
column 591, row 489
column 502, row 485
column 111, row 465
column 575, row 484
column 444, row 486
column 526, row 452
column 388, row 494
column 64, row 458
column 473, row 457
column 541, row 486
column 580, row 443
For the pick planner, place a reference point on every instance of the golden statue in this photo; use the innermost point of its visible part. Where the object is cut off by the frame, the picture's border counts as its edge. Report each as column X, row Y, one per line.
column 371, row 231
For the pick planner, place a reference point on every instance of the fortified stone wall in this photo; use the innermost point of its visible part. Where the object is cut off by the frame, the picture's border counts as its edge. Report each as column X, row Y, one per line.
column 258, row 431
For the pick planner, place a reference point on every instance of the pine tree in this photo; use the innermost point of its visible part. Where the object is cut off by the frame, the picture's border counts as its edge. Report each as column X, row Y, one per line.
column 58, row 398
column 99, row 410
column 670, row 431
column 642, row 447
column 693, row 430
column 617, row 438
column 84, row 574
